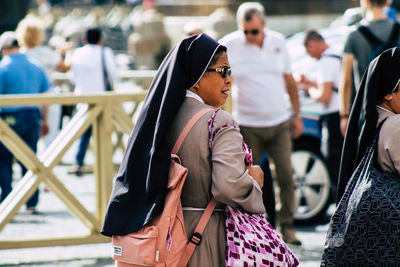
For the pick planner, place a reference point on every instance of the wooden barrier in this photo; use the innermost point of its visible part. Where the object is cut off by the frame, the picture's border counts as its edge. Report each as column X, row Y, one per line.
column 105, row 114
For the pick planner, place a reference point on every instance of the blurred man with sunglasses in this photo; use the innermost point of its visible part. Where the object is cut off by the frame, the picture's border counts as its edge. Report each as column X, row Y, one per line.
column 261, row 73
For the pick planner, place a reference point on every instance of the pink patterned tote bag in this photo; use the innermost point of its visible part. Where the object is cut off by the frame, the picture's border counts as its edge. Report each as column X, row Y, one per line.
column 251, row 241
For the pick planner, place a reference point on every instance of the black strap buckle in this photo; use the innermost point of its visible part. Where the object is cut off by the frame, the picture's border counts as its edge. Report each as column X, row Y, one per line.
column 195, row 239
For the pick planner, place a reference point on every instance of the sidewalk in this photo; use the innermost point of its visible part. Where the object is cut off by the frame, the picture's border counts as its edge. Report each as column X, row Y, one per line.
column 98, row 255
column 55, row 220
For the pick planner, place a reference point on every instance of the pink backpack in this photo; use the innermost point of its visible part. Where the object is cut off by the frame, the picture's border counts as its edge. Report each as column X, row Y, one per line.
column 163, row 241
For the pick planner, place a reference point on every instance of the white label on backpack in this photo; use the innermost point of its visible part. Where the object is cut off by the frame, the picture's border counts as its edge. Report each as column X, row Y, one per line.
column 157, row 255
column 117, row 251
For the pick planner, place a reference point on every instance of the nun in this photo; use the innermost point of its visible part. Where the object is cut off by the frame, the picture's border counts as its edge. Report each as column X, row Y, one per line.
column 194, row 75
column 378, row 99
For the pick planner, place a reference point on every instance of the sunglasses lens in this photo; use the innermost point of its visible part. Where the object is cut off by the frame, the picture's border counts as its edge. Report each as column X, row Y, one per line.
column 226, row 72
column 253, row 32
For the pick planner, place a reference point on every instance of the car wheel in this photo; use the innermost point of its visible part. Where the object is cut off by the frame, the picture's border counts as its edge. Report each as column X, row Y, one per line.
column 312, row 186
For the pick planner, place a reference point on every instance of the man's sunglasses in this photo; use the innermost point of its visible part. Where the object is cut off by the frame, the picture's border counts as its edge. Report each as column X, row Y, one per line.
column 253, row 32
column 224, row 71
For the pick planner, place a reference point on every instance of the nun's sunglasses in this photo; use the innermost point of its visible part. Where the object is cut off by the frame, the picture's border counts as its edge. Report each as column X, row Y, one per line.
column 253, row 32
column 224, row 71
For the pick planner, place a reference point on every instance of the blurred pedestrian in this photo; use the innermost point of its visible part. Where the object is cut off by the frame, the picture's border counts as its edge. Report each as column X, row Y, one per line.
column 31, row 37
column 261, row 76
column 93, row 71
column 192, row 28
column 325, row 91
column 390, row 11
column 358, row 50
column 18, row 75
column 44, row 7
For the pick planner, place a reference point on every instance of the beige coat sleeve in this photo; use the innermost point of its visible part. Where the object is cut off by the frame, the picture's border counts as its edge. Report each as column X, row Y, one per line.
column 231, row 183
column 389, row 145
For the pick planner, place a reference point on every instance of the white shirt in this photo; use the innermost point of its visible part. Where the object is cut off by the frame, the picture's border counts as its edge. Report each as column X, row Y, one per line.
column 193, row 95
column 258, row 88
column 329, row 69
column 45, row 57
column 87, row 69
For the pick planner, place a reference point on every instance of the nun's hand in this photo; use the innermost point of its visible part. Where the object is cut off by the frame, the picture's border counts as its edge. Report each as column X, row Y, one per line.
column 257, row 173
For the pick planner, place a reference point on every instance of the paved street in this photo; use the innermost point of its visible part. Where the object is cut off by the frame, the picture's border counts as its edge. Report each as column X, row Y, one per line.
column 54, row 220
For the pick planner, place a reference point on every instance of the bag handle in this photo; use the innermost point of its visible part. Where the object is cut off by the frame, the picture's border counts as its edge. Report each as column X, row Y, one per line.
column 365, row 163
column 187, row 129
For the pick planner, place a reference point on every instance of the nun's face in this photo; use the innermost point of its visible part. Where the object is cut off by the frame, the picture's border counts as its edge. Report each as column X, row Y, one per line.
column 213, row 87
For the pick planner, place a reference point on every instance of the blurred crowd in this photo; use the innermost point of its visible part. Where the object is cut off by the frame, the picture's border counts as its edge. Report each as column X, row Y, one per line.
column 87, row 48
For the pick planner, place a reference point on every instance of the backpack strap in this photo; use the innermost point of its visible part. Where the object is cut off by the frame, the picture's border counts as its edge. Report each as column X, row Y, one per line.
column 374, row 41
column 187, row 129
column 394, row 35
column 333, row 56
column 371, row 38
column 335, row 89
column 195, row 240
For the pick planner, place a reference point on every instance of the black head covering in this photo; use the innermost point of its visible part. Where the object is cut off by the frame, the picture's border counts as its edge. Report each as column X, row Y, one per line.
column 139, row 189
column 380, row 79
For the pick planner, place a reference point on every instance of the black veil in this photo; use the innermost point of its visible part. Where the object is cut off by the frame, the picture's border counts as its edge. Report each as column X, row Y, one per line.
column 139, row 189
column 380, row 79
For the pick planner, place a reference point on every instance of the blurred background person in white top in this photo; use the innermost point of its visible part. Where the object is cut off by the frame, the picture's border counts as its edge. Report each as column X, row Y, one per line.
column 93, row 72
column 192, row 27
column 325, row 91
column 261, row 74
column 31, row 35
column 88, row 63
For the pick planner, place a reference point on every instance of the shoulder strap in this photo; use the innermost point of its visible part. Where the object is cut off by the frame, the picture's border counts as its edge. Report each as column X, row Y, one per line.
column 187, row 128
column 335, row 89
column 195, row 240
column 196, row 237
column 374, row 145
column 371, row 38
column 333, row 56
column 394, row 35
column 105, row 74
column 378, row 130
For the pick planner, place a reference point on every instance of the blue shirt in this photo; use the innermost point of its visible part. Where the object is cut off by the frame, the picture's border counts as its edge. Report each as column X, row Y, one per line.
column 18, row 75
